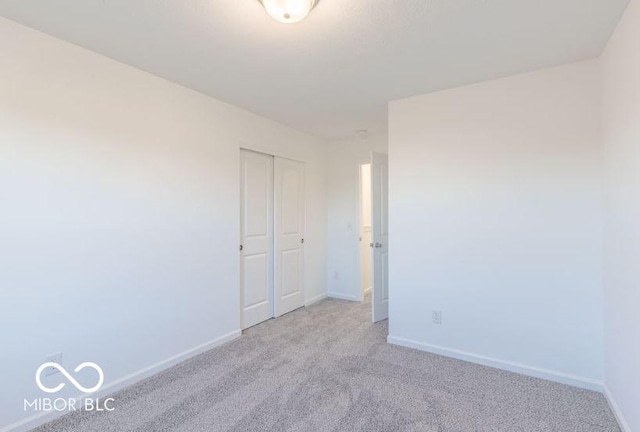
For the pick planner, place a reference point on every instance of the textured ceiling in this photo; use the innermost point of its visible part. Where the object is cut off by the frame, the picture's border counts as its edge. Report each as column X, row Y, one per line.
column 333, row 73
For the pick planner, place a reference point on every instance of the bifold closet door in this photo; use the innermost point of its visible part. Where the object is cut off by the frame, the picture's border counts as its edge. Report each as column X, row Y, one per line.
column 257, row 242
column 289, row 235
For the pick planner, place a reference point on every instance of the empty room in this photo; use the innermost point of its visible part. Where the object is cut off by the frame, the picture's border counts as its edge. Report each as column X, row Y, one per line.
column 320, row 215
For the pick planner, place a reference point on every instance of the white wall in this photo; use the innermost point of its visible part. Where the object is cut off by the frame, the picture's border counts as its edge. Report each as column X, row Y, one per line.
column 495, row 219
column 621, row 136
column 119, row 221
column 343, row 161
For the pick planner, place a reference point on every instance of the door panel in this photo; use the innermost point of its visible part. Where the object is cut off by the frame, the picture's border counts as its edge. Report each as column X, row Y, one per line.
column 291, row 201
column 257, row 240
column 289, row 235
column 380, row 228
column 256, row 272
column 384, row 265
column 257, row 175
column 291, row 272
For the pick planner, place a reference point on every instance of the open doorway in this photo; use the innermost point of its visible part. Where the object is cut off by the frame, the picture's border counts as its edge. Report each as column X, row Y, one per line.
column 374, row 235
column 365, row 232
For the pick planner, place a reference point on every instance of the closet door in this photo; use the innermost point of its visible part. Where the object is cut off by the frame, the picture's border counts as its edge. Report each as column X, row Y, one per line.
column 256, row 250
column 289, row 232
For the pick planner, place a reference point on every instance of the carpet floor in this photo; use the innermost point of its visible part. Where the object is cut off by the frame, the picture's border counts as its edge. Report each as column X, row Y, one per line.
column 327, row 368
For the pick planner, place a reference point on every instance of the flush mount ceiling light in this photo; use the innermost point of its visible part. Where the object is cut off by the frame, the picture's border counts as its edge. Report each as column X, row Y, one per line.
column 288, row 11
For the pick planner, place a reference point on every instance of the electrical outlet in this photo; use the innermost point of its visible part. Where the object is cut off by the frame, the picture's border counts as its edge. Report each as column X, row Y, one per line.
column 56, row 358
column 436, row 316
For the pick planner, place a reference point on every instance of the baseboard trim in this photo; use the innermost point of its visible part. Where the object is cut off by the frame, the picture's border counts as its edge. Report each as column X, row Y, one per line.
column 119, row 384
column 559, row 377
column 343, row 297
column 315, row 299
column 617, row 412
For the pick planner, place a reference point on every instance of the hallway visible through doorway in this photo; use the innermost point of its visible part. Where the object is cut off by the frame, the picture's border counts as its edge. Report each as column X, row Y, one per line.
column 366, row 238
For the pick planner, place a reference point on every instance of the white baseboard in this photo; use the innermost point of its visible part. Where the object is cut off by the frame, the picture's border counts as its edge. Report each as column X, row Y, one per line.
column 560, row 377
column 616, row 410
column 119, row 384
column 343, row 297
column 315, row 299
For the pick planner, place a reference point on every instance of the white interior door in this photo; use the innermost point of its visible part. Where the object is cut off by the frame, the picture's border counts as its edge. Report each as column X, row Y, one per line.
column 289, row 232
column 380, row 229
column 257, row 242
column 366, row 253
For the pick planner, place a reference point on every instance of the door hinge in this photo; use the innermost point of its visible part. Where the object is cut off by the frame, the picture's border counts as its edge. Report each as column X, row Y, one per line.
column 302, row 241
column 241, row 248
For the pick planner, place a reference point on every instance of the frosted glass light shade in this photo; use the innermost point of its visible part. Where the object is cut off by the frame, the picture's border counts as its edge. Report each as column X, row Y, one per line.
column 288, row 11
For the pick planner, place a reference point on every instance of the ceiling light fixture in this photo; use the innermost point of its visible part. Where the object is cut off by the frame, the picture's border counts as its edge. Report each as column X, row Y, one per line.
column 288, row 11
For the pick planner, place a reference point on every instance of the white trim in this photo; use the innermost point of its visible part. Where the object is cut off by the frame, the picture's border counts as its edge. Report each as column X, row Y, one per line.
column 343, row 296
column 617, row 412
column 119, row 384
column 560, row 377
column 315, row 299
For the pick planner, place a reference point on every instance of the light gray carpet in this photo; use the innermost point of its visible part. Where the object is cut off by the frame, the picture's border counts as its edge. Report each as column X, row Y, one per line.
column 326, row 368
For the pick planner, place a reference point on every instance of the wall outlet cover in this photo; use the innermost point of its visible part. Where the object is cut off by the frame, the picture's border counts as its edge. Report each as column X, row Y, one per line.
column 56, row 358
column 436, row 316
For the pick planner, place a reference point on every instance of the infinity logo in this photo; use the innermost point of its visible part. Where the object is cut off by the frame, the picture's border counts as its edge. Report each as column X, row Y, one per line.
column 69, row 377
